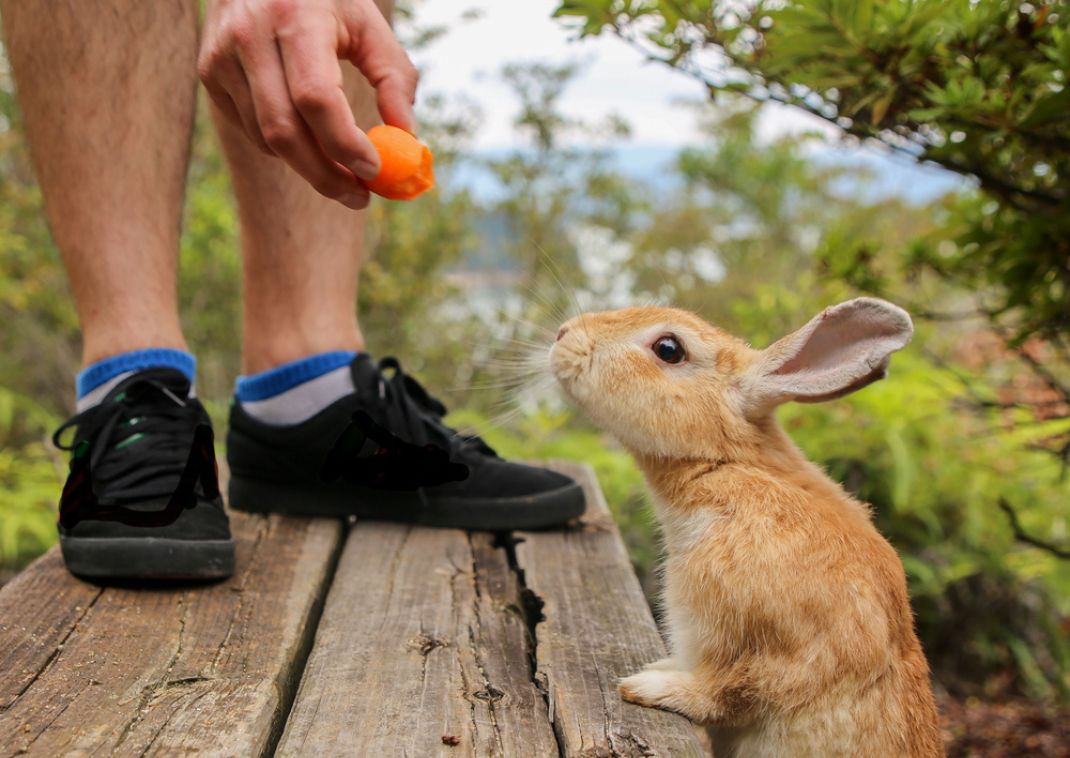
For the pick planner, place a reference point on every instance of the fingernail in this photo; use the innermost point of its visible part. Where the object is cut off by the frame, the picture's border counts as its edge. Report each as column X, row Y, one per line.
column 356, row 202
column 364, row 169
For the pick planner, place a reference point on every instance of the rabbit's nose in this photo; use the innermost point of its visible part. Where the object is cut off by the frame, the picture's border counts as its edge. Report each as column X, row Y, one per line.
column 561, row 333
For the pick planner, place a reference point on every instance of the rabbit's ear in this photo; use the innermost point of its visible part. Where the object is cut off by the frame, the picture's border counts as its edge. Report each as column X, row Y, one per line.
column 842, row 349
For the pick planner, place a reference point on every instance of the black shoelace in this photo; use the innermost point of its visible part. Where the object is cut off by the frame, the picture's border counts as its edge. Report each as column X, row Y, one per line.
column 372, row 456
column 132, row 443
column 410, row 407
column 411, row 450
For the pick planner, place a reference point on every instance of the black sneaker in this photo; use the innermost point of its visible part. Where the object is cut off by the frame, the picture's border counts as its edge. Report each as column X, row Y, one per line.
column 384, row 453
column 142, row 499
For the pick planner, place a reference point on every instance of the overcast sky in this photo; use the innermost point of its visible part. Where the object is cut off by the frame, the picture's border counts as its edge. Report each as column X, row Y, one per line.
column 615, row 80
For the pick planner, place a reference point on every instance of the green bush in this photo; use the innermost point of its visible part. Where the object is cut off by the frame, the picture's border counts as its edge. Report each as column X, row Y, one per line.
column 30, row 478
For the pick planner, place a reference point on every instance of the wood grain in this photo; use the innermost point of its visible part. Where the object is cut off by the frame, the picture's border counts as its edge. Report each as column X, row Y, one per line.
column 421, row 651
column 164, row 670
column 596, row 628
column 430, row 643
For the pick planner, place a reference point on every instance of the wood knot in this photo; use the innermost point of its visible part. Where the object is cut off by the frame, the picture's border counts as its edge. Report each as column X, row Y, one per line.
column 490, row 694
column 425, row 643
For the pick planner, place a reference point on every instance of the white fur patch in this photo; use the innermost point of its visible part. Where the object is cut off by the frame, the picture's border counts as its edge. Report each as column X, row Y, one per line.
column 684, row 529
column 652, row 684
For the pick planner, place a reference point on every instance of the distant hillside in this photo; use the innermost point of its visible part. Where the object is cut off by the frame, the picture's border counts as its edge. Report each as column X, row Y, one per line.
column 879, row 175
column 889, row 175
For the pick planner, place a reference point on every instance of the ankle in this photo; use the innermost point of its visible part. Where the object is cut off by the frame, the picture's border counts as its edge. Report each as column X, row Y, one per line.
column 260, row 354
column 98, row 346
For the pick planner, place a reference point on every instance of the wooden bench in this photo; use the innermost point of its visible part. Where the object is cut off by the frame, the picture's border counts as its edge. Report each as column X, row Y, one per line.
column 371, row 639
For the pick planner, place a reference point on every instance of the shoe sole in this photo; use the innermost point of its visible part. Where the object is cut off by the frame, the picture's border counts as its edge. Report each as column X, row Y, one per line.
column 153, row 558
column 540, row 511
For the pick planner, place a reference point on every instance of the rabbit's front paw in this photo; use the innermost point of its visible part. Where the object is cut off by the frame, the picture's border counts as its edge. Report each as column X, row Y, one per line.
column 643, row 688
column 669, row 690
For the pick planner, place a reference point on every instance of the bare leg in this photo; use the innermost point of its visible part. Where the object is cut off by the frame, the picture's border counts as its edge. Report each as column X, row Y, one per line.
column 301, row 251
column 107, row 93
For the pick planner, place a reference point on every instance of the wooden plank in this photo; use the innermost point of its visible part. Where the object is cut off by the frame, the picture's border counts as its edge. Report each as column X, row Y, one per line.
column 39, row 609
column 207, row 669
column 596, row 628
column 422, row 651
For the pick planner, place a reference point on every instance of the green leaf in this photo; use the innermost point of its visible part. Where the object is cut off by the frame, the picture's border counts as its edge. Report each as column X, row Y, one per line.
column 1053, row 107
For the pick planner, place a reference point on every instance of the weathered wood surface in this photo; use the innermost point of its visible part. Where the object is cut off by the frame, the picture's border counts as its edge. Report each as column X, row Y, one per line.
column 596, row 628
column 428, row 640
column 430, row 643
column 422, row 643
column 163, row 671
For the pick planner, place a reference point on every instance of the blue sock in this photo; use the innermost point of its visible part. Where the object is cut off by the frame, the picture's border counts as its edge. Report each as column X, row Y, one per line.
column 96, row 380
column 293, row 392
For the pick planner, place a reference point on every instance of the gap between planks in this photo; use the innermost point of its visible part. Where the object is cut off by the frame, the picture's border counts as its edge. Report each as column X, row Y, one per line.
column 397, row 670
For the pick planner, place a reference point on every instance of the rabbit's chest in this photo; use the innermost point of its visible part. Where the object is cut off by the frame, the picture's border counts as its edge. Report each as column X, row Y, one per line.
column 686, row 530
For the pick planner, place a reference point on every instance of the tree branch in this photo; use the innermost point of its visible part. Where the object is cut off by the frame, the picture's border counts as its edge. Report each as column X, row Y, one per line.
column 1011, row 193
column 1021, row 536
column 1041, row 371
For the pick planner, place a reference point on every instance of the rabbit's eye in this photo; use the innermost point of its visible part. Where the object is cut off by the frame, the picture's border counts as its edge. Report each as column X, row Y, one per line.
column 669, row 349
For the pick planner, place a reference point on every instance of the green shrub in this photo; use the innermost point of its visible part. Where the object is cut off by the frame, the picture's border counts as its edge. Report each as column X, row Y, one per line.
column 30, row 480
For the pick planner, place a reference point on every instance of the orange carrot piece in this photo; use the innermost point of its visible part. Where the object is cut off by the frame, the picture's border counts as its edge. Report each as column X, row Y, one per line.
column 407, row 165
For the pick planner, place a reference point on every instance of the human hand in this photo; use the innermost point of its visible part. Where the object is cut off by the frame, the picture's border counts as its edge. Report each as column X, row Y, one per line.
column 272, row 67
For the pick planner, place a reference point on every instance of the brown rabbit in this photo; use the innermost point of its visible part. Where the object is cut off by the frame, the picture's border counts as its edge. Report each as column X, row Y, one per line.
column 789, row 622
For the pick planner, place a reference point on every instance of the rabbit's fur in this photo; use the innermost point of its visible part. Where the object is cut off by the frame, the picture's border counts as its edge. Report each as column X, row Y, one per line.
column 789, row 622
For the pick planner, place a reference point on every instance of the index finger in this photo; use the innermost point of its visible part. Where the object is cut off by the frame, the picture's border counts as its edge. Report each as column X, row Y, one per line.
column 314, row 79
column 376, row 52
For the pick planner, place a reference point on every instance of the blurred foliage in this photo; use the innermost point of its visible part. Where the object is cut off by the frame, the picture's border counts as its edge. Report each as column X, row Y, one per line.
column 978, row 87
column 209, row 286
column 29, row 471
column 402, row 289
column 754, row 235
